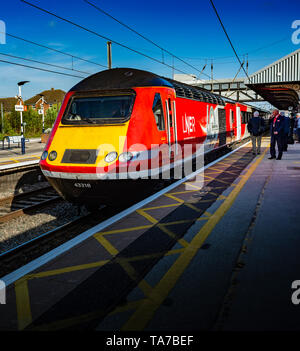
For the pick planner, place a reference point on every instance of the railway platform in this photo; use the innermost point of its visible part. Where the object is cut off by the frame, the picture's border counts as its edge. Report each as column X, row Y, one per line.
column 12, row 157
column 218, row 251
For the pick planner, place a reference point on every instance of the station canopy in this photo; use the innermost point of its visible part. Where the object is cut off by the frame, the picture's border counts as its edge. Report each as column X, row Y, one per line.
column 279, row 83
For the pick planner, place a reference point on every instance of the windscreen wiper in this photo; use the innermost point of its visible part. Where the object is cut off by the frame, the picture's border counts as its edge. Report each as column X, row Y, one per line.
column 87, row 119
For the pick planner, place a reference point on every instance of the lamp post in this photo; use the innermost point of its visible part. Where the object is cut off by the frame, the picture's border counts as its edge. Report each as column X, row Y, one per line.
column 43, row 112
column 20, row 84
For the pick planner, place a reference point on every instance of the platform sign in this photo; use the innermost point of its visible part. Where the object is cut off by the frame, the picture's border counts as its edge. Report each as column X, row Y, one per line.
column 20, row 108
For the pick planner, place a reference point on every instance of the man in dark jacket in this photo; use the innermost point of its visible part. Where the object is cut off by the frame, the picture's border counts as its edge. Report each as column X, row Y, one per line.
column 277, row 132
column 256, row 126
column 287, row 125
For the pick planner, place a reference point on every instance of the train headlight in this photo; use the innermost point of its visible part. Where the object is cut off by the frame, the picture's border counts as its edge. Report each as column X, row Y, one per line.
column 111, row 157
column 52, row 156
column 125, row 157
column 44, row 155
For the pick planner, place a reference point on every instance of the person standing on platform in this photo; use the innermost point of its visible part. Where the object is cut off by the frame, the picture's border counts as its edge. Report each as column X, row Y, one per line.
column 277, row 132
column 297, row 127
column 292, row 127
column 256, row 126
column 287, row 125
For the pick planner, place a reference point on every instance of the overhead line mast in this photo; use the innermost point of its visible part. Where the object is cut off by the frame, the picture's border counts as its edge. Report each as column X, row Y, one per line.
column 145, row 38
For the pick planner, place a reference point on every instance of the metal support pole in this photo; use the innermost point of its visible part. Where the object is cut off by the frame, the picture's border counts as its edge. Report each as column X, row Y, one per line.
column 212, row 75
column 22, row 127
column 43, row 115
column 21, row 115
column 109, row 54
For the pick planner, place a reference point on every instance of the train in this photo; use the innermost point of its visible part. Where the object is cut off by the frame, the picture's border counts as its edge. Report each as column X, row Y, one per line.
column 123, row 128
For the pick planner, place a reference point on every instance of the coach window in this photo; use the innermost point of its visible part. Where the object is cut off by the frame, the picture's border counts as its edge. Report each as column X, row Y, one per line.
column 244, row 117
column 157, row 109
column 231, row 119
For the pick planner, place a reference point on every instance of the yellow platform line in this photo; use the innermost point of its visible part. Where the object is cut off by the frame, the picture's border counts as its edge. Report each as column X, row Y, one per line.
column 92, row 265
column 19, row 159
column 176, row 222
column 148, row 256
column 89, row 316
column 159, row 207
column 192, row 207
column 218, row 180
column 147, row 216
column 193, row 186
column 121, row 230
column 185, row 191
column 181, row 241
column 174, row 198
column 23, row 303
column 229, row 164
column 131, row 272
column 229, row 172
column 162, row 227
column 66, row 270
column 107, row 245
column 141, row 317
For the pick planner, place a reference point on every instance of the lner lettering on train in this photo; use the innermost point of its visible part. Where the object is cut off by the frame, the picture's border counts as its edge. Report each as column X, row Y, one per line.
column 188, row 123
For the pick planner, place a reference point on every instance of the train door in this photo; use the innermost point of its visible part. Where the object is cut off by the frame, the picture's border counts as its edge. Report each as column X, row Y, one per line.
column 171, row 124
column 238, row 123
column 222, row 126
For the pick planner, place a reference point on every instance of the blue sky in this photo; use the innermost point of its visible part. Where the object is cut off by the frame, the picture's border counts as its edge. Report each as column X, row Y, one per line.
column 188, row 29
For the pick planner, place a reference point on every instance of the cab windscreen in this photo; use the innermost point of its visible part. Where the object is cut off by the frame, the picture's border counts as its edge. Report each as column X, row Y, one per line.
column 100, row 109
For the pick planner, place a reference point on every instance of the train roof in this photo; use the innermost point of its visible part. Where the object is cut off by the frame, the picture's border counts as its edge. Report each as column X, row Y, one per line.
column 120, row 78
column 126, row 78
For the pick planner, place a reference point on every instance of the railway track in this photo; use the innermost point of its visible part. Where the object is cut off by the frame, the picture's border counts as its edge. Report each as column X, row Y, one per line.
column 20, row 204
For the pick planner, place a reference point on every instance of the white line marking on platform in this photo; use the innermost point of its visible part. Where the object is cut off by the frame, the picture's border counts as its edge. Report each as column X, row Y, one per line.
column 19, row 164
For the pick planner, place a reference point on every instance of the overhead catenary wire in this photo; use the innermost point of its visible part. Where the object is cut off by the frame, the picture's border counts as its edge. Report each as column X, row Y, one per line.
column 102, row 36
column 52, row 49
column 145, row 38
column 40, row 69
column 43, row 63
column 211, row 1
column 248, row 53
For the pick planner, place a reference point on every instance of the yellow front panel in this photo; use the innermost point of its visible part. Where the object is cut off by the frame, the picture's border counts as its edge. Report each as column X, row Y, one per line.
column 104, row 138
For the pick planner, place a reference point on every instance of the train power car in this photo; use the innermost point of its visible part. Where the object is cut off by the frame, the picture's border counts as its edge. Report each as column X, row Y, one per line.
column 112, row 126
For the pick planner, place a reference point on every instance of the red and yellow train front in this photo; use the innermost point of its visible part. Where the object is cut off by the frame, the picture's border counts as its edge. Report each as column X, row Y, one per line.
column 100, row 137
